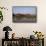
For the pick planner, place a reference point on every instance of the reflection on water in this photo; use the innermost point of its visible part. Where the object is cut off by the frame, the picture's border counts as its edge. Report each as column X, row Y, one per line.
column 24, row 18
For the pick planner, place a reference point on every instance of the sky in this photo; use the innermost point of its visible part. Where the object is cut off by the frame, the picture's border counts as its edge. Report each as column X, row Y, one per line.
column 24, row 9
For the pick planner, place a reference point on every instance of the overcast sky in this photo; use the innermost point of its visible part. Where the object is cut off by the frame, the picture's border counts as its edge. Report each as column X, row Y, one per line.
column 24, row 9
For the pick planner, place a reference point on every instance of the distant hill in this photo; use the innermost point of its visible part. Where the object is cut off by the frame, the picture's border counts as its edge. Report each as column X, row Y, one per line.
column 24, row 15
